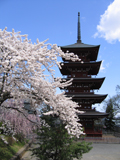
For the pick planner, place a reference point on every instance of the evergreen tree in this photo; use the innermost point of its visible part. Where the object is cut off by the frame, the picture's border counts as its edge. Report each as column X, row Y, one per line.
column 55, row 143
column 109, row 121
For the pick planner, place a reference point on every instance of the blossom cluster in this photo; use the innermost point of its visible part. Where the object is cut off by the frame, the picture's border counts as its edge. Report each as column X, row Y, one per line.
column 23, row 76
column 18, row 123
column 3, row 139
column 7, row 128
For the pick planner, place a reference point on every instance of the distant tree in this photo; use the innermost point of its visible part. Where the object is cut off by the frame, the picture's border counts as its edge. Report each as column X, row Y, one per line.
column 109, row 121
column 116, row 100
column 112, row 106
column 20, row 124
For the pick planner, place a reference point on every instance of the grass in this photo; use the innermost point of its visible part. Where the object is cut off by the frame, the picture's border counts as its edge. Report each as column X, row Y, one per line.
column 17, row 146
column 8, row 151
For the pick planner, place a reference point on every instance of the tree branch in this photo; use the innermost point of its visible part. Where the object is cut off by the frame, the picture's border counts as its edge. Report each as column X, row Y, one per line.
column 38, row 125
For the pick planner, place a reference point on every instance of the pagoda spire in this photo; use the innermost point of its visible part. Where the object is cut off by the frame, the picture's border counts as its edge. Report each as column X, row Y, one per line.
column 79, row 33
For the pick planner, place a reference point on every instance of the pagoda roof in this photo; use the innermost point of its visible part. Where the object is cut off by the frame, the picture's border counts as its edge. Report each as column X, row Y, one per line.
column 81, row 48
column 79, row 45
column 90, row 52
column 93, row 67
column 92, row 114
column 79, row 63
column 85, row 79
column 96, row 98
column 96, row 82
column 85, row 95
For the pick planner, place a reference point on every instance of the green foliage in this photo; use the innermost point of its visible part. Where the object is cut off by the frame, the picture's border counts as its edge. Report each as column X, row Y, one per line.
column 1, row 131
column 17, row 145
column 1, row 123
column 109, row 121
column 20, row 137
column 7, row 151
column 79, row 148
column 115, row 100
column 10, row 140
column 56, row 144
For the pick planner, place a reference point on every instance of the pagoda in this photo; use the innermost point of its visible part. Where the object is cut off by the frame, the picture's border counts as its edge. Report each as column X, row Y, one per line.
column 83, row 84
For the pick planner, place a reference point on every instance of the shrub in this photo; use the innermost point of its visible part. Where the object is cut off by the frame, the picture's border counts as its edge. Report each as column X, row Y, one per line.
column 6, row 128
column 6, row 152
column 10, row 140
column 20, row 137
column 55, row 142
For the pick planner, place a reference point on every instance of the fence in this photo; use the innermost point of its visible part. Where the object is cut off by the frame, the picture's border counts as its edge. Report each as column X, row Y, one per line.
column 115, row 133
column 115, row 140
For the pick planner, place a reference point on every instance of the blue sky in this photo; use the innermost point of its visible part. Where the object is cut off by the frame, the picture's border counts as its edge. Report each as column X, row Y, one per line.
column 57, row 20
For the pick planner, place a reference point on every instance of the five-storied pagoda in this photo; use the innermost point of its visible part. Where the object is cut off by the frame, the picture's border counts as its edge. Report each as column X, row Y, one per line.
column 83, row 85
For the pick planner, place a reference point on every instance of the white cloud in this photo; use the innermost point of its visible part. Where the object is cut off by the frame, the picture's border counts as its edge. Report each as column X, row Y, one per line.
column 109, row 25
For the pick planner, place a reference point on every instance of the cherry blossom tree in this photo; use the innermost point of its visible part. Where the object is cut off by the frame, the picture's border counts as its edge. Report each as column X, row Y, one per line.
column 19, row 123
column 23, row 67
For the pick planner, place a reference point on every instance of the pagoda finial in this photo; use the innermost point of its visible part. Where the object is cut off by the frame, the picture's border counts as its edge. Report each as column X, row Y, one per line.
column 79, row 35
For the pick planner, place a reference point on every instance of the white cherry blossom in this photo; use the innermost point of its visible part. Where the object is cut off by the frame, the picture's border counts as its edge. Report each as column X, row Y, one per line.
column 23, row 67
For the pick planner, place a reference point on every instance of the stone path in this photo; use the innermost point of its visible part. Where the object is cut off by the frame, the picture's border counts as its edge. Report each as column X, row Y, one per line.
column 99, row 152
column 28, row 153
column 103, row 152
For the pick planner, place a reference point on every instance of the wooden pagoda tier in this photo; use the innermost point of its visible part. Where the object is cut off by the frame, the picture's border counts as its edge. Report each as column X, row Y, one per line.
column 87, row 120
column 83, row 85
column 76, row 68
column 92, row 114
column 86, row 100
column 86, row 97
column 87, row 52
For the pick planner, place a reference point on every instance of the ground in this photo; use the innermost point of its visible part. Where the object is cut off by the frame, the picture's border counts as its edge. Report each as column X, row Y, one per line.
column 100, row 151
column 103, row 152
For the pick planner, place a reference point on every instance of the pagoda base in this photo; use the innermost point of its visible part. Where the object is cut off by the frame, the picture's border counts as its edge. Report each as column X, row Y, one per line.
column 93, row 133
